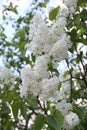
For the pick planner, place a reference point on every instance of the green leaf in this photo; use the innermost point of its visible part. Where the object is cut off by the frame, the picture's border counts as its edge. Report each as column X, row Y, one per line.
column 59, row 86
column 82, row 84
column 66, row 73
column 23, row 111
column 22, row 44
column 15, row 10
column 48, row 105
column 59, row 119
column 33, row 57
column 84, row 14
column 81, row 31
column 82, row 3
column 77, row 19
column 50, row 66
column 43, row 4
column 11, row 95
column 4, row 111
column 53, row 13
column 56, row 120
column 39, row 122
column 51, row 122
column 75, row 94
column 32, row 101
column 22, row 33
column 4, row 17
column 15, row 107
column 50, row 128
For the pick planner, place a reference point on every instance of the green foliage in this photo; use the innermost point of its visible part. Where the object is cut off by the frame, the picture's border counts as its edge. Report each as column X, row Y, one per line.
column 32, row 101
column 54, row 13
column 15, row 107
column 82, row 3
column 82, row 113
column 59, row 86
column 52, row 69
column 51, row 122
column 14, row 10
column 42, row 5
column 39, row 122
column 55, row 121
column 59, row 120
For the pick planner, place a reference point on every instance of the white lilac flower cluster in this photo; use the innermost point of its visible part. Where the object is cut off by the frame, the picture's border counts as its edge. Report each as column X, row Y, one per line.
column 6, row 77
column 49, row 44
column 46, row 43
column 71, row 4
column 71, row 120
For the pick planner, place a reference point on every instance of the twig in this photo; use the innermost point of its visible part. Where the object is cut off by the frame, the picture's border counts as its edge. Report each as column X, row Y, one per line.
column 42, row 107
column 71, row 77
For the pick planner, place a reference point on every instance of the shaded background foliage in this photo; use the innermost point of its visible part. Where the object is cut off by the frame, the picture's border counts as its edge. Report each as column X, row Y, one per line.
column 15, row 57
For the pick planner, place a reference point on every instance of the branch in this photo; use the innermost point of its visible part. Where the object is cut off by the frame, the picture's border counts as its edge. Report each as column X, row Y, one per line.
column 71, row 77
column 42, row 107
column 83, row 75
column 26, row 125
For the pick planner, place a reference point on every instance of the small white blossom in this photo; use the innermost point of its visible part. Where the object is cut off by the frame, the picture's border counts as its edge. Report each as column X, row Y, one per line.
column 71, row 4
column 64, row 107
column 49, row 88
column 59, row 50
column 41, row 66
column 30, row 83
column 71, row 120
column 57, row 29
column 7, row 76
column 63, row 10
column 39, row 36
